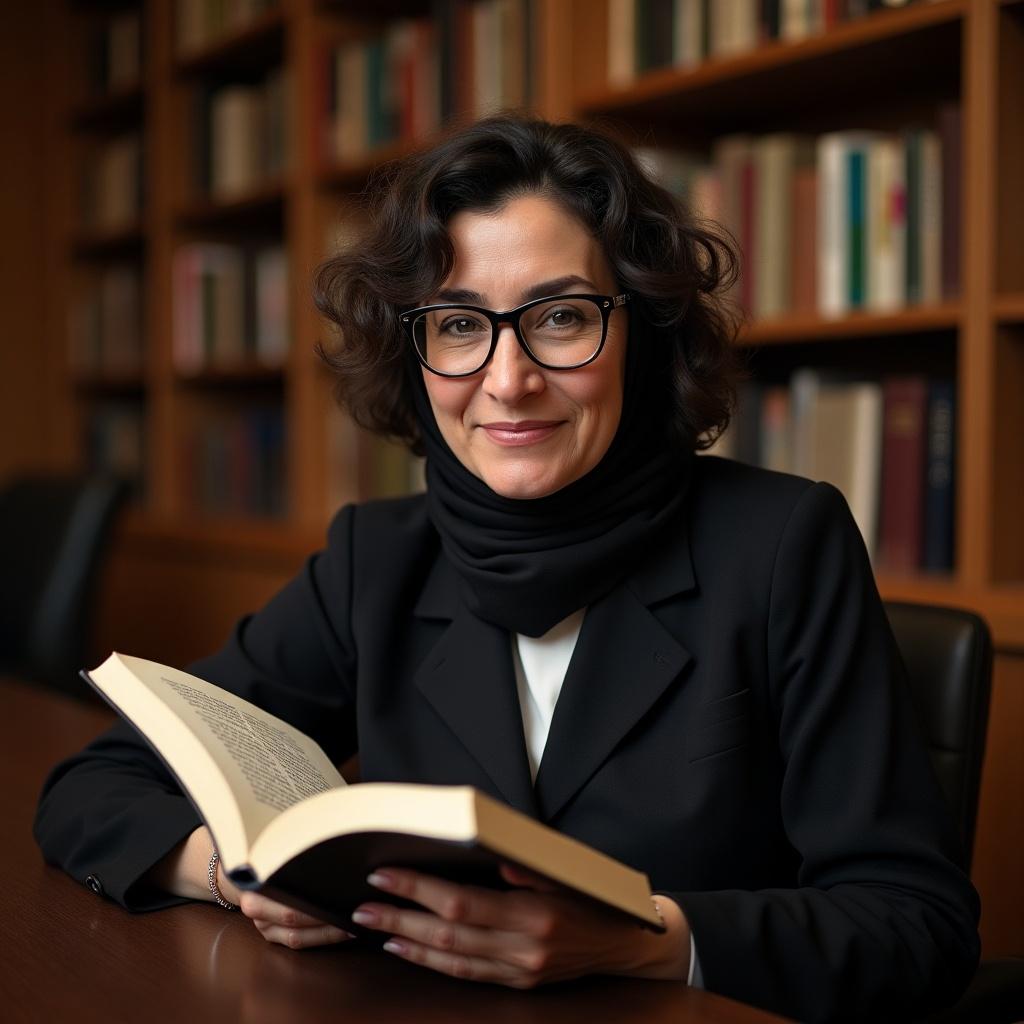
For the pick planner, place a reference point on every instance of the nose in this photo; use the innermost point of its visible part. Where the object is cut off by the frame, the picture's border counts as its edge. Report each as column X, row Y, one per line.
column 511, row 374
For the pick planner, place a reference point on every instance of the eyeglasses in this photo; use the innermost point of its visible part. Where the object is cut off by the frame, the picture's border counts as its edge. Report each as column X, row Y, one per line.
column 563, row 332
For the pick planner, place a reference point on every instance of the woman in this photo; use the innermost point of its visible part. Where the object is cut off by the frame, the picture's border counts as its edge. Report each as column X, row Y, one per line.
column 681, row 661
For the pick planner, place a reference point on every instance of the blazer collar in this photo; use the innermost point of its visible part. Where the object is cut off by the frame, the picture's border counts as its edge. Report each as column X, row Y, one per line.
column 623, row 662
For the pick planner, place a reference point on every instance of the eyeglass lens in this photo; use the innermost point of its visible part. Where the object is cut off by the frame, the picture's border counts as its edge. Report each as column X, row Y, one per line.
column 559, row 333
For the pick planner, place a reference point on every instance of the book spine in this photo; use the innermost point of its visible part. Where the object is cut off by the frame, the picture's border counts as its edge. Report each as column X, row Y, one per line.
column 931, row 217
column 912, row 158
column 805, row 231
column 939, row 501
column 621, row 42
column 833, row 251
column 903, row 459
column 951, row 135
column 857, row 189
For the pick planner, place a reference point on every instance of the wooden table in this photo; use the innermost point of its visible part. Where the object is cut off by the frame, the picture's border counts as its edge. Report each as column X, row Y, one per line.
column 68, row 955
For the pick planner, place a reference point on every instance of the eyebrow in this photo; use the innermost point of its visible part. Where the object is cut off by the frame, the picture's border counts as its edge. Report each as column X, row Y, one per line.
column 555, row 286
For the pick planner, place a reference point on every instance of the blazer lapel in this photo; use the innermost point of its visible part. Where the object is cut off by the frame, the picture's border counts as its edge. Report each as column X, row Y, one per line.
column 623, row 662
column 469, row 680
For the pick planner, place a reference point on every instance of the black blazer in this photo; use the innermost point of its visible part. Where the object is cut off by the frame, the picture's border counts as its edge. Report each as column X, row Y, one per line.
column 734, row 722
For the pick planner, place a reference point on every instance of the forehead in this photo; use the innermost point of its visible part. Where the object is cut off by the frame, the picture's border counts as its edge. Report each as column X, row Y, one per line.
column 527, row 239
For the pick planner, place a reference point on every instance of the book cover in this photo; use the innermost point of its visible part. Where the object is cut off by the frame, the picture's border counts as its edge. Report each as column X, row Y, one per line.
column 903, row 459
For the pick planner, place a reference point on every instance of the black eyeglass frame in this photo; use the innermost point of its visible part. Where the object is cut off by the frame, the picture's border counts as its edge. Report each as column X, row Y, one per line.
column 605, row 303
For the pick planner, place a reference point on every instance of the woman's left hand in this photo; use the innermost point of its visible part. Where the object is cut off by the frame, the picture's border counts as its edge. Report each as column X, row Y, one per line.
column 523, row 937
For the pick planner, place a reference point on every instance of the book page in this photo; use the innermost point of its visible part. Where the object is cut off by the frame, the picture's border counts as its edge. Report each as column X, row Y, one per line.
column 271, row 760
column 241, row 765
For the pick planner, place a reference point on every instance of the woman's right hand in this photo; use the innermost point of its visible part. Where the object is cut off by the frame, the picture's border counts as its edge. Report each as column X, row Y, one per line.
column 184, row 872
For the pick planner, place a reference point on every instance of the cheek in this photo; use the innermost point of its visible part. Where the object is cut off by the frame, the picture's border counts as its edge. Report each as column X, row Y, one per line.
column 599, row 396
column 448, row 398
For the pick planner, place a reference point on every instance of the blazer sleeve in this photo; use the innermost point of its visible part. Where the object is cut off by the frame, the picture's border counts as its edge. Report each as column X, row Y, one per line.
column 110, row 813
column 883, row 922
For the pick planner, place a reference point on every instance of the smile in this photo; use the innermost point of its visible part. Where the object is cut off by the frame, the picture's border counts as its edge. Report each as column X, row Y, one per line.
column 522, row 433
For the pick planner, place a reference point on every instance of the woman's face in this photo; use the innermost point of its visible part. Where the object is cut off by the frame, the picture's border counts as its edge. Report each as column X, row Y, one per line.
column 524, row 430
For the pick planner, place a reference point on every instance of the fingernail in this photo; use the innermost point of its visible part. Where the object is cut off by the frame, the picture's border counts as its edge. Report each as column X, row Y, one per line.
column 393, row 946
column 380, row 881
column 365, row 917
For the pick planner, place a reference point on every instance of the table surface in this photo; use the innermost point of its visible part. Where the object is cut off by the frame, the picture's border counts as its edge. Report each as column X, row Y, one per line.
column 70, row 955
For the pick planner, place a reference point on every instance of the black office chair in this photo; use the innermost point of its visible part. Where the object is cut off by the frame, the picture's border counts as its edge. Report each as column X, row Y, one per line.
column 54, row 532
column 948, row 656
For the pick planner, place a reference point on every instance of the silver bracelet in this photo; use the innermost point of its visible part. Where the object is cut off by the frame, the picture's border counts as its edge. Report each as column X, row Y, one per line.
column 211, row 877
column 661, row 916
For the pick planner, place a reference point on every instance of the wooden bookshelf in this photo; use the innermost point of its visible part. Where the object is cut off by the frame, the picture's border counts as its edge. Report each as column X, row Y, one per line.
column 788, row 329
column 884, row 71
column 1010, row 309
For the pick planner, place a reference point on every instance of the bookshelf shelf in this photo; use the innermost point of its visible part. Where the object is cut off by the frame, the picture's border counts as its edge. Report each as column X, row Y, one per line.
column 116, row 110
column 381, row 8
column 353, row 174
column 914, row 320
column 248, row 538
column 1001, row 606
column 915, row 46
column 239, row 375
column 123, row 242
column 1009, row 309
column 260, row 206
column 129, row 384
column 256, row 46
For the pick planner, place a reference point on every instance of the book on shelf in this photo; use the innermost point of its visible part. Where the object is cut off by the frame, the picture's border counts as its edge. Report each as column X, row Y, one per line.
column 400, row 84
column 111, row 193
column 105, row 323
column 904, row 473
column 231, row 306
column 887, row 444
column 240, row 136
column 200, row 23
column 939, row 496
column 841, row 222
column 286, row 824
column 644, row 35
column 233, row 463
column 114, row 57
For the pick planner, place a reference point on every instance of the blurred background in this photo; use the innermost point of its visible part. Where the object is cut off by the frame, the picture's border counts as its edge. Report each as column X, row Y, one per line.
column 174, row 171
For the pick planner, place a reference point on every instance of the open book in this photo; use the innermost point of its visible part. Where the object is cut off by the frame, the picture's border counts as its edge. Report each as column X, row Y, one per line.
column 286, row 823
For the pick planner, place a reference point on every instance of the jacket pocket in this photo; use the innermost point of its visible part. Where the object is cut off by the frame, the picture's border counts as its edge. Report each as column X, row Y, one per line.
column 720, row 726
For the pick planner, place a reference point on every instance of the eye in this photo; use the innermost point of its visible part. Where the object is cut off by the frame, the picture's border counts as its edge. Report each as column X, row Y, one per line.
column 563, row 317
column 460, row 325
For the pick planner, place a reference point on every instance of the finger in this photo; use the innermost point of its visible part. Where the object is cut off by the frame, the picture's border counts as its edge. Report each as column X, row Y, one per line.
column 465, row 904
column 446, row 936
column 519, row 876
column 256, row 906
column 301, row 938
column 457, row 965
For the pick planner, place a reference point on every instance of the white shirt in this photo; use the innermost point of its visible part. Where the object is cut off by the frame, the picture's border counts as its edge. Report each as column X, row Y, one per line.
column 540, row 665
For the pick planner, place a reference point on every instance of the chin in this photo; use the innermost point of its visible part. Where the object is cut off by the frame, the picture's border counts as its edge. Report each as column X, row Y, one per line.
column 523, row 483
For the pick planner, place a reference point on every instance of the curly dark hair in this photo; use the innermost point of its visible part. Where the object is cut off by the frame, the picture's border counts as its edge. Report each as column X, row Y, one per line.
column 677, row 267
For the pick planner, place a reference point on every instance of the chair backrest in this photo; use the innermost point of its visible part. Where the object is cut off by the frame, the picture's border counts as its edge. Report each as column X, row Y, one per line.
column 948, row 656
column 53, row 534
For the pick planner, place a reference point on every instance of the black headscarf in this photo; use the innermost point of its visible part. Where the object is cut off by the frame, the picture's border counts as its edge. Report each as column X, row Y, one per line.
column 528, row 563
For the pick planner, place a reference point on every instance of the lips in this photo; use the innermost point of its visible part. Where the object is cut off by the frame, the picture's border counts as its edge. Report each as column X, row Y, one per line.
column 521, row 432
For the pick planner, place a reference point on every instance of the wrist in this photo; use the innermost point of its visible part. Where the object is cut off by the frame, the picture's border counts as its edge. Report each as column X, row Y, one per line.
column 666, row 955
